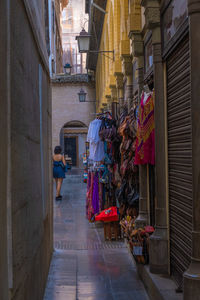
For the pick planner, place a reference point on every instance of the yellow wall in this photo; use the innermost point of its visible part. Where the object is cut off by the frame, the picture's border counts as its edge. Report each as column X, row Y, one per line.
column 122, row 17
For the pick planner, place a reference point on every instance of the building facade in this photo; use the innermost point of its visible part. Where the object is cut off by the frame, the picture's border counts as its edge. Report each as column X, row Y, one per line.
column 73, row 20
column 155, row 43
column 26, row 236
column 54, row 34
column 71, row 117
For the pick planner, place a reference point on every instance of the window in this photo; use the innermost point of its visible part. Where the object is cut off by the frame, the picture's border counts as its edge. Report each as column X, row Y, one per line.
column 174, row 16
column 78, row 59
column 79, row 69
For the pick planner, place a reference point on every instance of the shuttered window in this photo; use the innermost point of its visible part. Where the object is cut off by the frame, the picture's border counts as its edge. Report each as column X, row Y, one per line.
column 180, row 159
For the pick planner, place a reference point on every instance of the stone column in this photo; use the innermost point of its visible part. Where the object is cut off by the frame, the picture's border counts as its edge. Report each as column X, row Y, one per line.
column 137, row 51
column 120, row 88
column 120, row 93
column 115, row 110
column 114, row 103
column 113, row 92
column 192, row 275
column 127, row 70
column 109, row 102
column 159, row 240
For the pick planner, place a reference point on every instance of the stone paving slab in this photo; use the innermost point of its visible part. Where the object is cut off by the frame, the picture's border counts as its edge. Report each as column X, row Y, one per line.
column 84, row 266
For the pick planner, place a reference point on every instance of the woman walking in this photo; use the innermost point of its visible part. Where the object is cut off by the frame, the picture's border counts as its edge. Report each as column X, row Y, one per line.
column 58, row 170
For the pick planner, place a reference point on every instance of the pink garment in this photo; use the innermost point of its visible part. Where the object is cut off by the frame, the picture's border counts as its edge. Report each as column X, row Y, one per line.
column 89, row 208
column 145, row 142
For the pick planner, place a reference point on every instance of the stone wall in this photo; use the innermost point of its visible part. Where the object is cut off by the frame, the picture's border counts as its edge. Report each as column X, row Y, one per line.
column 66, row 106
column 25, row 153
column 4, row 137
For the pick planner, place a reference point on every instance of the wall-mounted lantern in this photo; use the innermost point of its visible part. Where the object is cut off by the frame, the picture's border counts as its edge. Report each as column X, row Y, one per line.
column 68, row 69
column 83, row 41
column 84, row 44
column 82, row 95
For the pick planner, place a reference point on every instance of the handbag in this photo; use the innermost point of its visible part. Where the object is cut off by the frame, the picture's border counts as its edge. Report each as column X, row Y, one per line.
column 133, row 199
column 64, row 167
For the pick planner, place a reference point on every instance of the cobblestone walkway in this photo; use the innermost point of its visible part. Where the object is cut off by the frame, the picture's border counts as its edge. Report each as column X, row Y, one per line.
column 84, row 266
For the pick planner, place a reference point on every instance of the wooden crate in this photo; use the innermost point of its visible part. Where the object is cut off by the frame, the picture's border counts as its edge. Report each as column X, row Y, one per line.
column 112, row 231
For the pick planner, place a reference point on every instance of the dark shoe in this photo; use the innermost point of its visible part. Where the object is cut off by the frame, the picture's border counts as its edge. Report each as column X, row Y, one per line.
column 59, row 198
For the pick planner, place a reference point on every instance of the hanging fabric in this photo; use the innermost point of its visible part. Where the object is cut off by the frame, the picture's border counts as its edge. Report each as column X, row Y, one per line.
column 145, row 142
column 96, row 148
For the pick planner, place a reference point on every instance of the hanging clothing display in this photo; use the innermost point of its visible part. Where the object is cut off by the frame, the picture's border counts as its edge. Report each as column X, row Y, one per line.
column 128, row 193
column 94, row 199
column 95, row 194
column 113, row 180
column 96, row 145
column 116, row 148
column 100, row 194
column 145, row 143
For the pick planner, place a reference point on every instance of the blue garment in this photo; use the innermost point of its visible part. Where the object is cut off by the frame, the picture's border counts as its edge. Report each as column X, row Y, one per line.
column 58, row 169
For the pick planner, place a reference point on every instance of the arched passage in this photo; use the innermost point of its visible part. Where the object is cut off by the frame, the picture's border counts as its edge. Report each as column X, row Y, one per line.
column 72, row 140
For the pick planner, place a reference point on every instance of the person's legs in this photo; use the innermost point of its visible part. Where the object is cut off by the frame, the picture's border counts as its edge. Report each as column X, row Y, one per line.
column 59, row 185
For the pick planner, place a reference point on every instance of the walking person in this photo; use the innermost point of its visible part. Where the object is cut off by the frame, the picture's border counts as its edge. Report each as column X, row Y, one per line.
column 58, row 170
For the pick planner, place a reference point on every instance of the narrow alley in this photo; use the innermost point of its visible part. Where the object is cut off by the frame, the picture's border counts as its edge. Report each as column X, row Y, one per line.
column 84, row 266
column 106, row 92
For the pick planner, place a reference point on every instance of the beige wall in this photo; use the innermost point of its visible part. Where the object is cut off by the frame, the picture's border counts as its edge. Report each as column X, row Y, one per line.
column 66, row 106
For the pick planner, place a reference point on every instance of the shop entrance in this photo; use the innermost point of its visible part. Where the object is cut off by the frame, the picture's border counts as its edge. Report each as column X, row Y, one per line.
column 71, row 148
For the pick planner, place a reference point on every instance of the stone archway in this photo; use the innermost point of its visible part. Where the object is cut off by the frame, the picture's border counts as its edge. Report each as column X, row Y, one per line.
column 72, row 139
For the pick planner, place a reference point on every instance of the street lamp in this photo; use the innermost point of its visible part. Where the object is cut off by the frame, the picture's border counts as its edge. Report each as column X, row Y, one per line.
column 82, row 95
column 68, row 69
column 83, row 41
column 84, row 44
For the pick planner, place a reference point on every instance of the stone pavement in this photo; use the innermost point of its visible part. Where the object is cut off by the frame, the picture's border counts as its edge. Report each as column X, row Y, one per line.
column 84, row 266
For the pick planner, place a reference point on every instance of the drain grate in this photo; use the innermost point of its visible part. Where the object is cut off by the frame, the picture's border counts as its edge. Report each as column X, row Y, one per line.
column 64, row 245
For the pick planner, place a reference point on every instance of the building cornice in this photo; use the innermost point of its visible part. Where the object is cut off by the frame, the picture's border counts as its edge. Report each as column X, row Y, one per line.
column 76, row 78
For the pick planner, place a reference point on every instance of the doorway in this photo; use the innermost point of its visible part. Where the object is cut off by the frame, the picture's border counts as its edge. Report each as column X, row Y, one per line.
column 71, row 147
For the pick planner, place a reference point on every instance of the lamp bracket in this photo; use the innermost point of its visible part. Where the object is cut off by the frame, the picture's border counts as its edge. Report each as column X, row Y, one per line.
column 104, row 51
column 98, row 7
